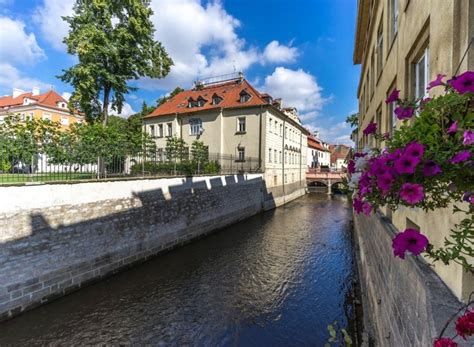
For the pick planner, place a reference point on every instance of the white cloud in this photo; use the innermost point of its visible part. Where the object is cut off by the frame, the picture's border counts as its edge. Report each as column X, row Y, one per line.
column 127, row 111
column 11, row 77
column 297, row 88
column 17, row 46
column 66, row 95
column 336, row 134
column 276, row 53
column 53, row 28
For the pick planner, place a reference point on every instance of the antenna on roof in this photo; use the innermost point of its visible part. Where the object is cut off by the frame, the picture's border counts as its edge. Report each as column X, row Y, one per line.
column 235, row 76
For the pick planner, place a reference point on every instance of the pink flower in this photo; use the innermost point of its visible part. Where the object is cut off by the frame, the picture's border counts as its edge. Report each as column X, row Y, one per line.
column 393, row 96
column 409, row 240
column 406, row 164
column 364, row 184
column 385, row 181
column 358, row 204
column 370, row 129
column 436, row 82
column 453, row 128
column 468, row 138
column 404, row 112
column 431, row 168
column 351, row 166
column 378, row 166
column 394, row 155
column 366, row 208
column 460, row 157
column 468, row 197
column 412, row 193
column 465, row 324
column 445, row 342
column 414, row 149
column 463, row 83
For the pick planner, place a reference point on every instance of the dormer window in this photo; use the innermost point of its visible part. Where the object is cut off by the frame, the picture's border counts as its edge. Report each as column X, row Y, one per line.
column 200, row 102
column 191, row 102
column 244, row 96
column 62, row 104
column 216, row 99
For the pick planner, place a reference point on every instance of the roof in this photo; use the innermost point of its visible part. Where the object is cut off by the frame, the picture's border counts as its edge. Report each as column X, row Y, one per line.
column 50, row 99
column 339, row 152
column 230, row 93
column 312, row 143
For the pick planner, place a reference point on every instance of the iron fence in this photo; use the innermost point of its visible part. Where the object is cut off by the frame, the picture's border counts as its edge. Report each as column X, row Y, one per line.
column 39, row 168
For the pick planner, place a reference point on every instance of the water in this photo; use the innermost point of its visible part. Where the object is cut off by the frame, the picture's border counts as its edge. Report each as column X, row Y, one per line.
column 276, row 279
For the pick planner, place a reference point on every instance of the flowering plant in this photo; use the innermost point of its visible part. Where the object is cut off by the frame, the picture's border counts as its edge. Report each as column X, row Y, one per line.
column 427, row 163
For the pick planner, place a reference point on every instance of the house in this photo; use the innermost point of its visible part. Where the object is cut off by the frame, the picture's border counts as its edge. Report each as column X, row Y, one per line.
column 47, row 106
column 234, row 120
column 319, row 155
column 339, row 156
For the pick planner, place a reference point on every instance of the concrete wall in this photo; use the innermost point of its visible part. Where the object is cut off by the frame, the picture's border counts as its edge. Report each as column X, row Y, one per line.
column 405, row 302
column 56, row 238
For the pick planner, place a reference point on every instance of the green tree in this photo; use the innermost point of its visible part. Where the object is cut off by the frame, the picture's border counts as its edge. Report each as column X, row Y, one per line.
column 113, row 40
column 353, row 120
column 164, row 99
column 200, row 154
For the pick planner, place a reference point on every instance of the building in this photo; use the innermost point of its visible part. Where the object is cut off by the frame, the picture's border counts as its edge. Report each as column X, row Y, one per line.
column 319, row 155
column 47, row 106
column 404, row 44
column 339, row 155
column 235, row 120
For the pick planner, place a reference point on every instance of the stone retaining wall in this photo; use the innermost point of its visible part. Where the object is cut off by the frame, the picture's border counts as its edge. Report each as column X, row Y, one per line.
column 56, row 238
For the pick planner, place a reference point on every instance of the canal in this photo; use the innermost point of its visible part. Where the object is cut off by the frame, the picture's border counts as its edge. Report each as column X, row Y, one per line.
column 277, row 279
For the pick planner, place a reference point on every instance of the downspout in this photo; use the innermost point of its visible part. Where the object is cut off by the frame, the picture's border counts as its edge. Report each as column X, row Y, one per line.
column 284, row 156
column 260, row 141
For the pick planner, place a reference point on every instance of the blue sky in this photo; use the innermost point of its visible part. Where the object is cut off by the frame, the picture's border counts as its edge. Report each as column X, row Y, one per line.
column 298, row 50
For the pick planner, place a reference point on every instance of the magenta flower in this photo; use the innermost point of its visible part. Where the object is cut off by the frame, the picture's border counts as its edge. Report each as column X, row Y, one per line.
column 406, row 164
column 409, row 240
column 431, row 169
column 385, row 181
column 366, row 208
column 351, row 166
column 358, row 204
column 414, row 149
column 394, row 155
column 393, row 96
column 364, row 184
column 460, row 157
column 463, row 83
column 436, row 82
column 404, row 112
column 412, row 193
column 468, row 197
column 465, row 324
column 453, row 128
column 370, row 129
column 378, row 166
column 444, row 342
column 359, row 155
column 468, row 138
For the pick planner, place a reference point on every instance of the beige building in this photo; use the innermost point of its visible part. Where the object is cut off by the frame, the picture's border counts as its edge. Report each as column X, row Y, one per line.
column 404, row 44
column 234, row 120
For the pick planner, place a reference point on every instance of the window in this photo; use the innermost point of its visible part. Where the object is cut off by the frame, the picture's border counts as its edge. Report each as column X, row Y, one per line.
column 244, row 96
column 379, row 49
column 275, row 180
column 280, row 157
column 270, row 125
column 160, row 130
column 281, row 129
column 169, row 129
column 159, row 153
column 195, row 127
column 31, row 114
column 46, row 116
column 191, row 102
column 275, row 157
column 200, row 102
column 2, row 119
column 22, row 116
column 241, row 153
column 372, row 76
column 421, row 75
column 286, row 157
column 391, row 116
column 269, row 155
column 241, row 125
column 275, row 128
column 286, row 132
column 64, row 120
column 286, row 178
column 393, row 19
column 216, row 99
column 378, row 120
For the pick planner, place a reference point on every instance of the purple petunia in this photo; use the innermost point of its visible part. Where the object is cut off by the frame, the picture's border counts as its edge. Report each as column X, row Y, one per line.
column 460, row 157
column 370, row 129
column 436, row 82
column 393, row 96
column 410, row 240
column 351, row 166
column 463, row 83
column 431, row 169
column 406, row 164
column 453, row 128
column 468, row 138
column 414, row 149
column 404, row 112
column 385, row 181
column 412, row 193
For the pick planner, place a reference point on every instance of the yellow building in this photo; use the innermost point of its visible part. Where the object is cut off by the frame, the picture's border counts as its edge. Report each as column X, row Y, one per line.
column 404, row 44
column 48, row 106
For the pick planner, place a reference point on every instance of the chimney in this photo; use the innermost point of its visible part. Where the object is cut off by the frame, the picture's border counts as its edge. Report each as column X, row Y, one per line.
column 316, row 134
column 17, row 92
column 35, row 91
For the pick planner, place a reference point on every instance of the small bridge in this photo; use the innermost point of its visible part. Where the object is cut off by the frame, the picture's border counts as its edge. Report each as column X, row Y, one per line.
column 317, row 178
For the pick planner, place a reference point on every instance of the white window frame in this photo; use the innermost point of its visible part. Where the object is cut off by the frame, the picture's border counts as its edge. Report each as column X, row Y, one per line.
column 64, row 120
column 426, row 66
column 47, row 116
column 160, row 130
column 241, row 153
column 195, row 127
column 169, row 129
column 269, row 155
column 241, row 125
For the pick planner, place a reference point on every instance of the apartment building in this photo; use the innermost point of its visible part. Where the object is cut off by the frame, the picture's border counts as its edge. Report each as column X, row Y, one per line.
column 48, row 106
column 233, row 119
column 404, row 44
column 319, row 155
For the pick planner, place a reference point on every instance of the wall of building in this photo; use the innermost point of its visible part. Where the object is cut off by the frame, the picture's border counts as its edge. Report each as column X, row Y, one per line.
column 63, row 117
column 405, row 302
column 71, row 234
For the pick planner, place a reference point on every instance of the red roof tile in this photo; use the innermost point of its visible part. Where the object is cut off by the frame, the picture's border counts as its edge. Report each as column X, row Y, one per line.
column 312, row 143
column 50, row 98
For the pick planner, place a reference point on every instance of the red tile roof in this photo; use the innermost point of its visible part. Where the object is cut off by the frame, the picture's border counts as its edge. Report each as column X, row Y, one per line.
column 50, row 98
column 229, row 92
column 312, row 143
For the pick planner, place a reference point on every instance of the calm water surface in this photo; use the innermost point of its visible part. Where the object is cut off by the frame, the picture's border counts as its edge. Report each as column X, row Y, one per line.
column 276, row 279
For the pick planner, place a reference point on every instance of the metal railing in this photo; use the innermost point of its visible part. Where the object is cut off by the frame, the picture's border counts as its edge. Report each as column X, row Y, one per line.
column 40, row 169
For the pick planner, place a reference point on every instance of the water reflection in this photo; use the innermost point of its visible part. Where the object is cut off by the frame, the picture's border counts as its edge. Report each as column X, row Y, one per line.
column 275, row 279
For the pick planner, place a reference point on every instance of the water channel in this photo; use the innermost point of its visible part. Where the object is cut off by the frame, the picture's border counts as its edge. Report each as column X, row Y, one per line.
column 276, row 279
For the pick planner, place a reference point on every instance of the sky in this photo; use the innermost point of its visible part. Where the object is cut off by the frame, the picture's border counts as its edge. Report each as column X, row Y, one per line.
column 299, row 50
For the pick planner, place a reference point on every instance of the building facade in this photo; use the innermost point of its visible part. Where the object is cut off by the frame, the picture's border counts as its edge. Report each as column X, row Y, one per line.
column 404, row 44
column 234, row 120
column 34, row 105
column 319, row 155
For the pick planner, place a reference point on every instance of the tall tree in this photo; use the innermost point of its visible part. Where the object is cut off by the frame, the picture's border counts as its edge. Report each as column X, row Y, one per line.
column 113, row 40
